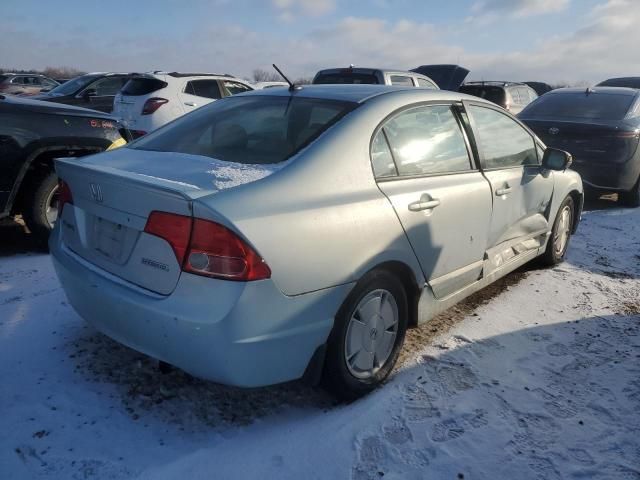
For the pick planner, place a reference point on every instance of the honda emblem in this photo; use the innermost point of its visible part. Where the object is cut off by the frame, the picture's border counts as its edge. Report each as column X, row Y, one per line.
column 554, row 130
column 96, row 192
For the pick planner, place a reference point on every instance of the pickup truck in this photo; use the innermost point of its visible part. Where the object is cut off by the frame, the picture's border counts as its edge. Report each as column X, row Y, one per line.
column 32, row 134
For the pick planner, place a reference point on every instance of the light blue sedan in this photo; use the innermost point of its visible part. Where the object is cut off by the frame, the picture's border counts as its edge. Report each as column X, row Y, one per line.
column 291, row 233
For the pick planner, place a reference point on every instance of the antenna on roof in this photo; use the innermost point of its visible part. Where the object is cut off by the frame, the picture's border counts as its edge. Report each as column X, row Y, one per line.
column 292, row 86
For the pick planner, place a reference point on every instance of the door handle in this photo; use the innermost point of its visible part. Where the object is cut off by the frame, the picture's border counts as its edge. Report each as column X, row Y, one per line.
column 503, row 191
column 425, row 203
column 190, row 104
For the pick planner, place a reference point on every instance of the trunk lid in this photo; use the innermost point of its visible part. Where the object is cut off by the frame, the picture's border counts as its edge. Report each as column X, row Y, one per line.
column 602, row 142
column 115, row 192
column 448, row 77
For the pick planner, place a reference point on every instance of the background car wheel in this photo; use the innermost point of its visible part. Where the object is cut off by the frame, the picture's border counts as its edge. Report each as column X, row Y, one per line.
column 367, row 336
column 41, row 209
column 560, row 234
column 632, row 197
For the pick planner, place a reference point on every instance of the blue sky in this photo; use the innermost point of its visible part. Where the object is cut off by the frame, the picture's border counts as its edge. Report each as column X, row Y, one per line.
column 553, row 40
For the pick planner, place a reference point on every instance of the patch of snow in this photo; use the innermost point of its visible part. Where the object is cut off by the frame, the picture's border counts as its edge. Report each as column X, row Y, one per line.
column 542, row 382
column 230, row 174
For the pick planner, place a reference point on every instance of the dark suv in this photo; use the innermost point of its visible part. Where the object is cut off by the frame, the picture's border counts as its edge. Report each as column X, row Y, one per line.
column 93, row 90
column 32, row 134
column 511, row 96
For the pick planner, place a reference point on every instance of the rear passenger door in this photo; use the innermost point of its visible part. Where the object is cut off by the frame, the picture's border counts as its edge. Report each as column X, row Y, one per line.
column 199, row 92
column 422, row 162
column 521, row 192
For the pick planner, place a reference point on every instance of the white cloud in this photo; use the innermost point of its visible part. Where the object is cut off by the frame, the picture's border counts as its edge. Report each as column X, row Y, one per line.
column 519, row 8
column 602, row 47
column 289, row 9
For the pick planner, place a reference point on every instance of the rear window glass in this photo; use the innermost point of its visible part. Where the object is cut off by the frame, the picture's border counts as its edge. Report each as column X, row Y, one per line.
column 603, row 106
column 142, row 86
column 492, row 94
column 75, row 84
column 345, row 78
column 3, row 78
column 633, row 82
column 249, row 130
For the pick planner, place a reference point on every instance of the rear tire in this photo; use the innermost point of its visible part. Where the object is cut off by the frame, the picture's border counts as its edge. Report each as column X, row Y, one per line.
column 632, row 197
column 560, row 234
column 41, row 206
column 368, row 331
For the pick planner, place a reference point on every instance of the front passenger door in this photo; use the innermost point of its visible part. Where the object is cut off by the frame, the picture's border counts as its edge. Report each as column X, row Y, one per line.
column 521, row 190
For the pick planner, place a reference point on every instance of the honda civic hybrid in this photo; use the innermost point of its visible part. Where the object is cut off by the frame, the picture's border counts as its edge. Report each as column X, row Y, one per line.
column 298, row 233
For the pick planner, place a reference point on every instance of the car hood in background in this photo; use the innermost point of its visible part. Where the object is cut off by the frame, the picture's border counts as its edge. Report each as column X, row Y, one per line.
column 32, row 103
column 448, row 77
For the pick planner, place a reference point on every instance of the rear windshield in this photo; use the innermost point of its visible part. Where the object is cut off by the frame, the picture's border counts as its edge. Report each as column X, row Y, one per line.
column 603, row 106
column 632, row 82
column 72, row 86
column 142, row 86
column 2, row 78
column 345, row 78
column 492, row 94
column 250, row 130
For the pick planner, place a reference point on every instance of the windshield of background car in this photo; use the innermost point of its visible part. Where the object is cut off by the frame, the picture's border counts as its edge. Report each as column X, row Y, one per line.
column 345, row 78
column 250, row 130
column 490, row 93
column 73, row 85
column 603, row 106
column 2, row 78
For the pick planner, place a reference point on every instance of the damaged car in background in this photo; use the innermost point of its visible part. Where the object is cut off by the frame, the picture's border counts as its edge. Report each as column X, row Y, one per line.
column 32, row 134
column 297, row 233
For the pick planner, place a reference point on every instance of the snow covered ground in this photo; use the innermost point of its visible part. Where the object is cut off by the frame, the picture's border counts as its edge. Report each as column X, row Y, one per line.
column 541, row 382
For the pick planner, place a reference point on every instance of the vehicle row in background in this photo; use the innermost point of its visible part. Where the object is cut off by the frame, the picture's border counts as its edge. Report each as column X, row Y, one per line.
column 32, row 134
column 512, row 96
column 25, row 83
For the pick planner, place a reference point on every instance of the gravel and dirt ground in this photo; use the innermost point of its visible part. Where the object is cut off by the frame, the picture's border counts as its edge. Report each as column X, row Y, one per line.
column 534, row 377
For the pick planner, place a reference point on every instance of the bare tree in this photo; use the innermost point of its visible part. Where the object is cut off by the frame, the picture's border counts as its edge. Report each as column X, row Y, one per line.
column 260, row 75
column 62, row 72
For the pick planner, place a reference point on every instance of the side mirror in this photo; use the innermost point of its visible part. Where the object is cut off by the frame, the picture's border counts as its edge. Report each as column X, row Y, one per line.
column 554, row 159
column 88, row 93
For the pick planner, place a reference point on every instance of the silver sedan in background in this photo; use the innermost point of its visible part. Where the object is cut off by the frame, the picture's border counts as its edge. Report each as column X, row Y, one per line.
column 291, row 233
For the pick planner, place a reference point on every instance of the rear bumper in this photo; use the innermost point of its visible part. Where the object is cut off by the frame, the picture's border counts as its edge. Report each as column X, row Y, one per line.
column 241, row 334
column 609, row 176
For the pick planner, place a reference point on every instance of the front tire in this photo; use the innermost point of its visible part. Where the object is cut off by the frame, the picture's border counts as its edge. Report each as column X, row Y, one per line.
column 367, row 336
column 632, row 197
column 41, row 208
column 560, row 234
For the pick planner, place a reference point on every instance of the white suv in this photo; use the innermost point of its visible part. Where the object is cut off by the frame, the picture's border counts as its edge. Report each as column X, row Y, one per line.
column 150, row 100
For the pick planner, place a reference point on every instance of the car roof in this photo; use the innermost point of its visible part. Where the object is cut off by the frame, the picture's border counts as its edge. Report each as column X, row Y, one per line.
column 494, row 83
column 359, row 93
column 631, row 92
column 51, row 107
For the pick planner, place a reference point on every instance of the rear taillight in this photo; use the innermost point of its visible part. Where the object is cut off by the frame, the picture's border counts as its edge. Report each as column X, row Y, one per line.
column 175, row 229
column 153, row 104
column 64, row 195
column 207, row 248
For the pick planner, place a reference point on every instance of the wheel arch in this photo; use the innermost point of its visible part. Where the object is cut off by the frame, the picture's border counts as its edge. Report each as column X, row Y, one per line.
column 407, row 278
column 36, row 163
